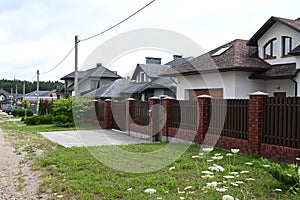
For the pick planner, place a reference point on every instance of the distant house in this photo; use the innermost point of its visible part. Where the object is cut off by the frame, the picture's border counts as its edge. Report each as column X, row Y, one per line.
column 90, row 79
column 269, row 62
column 34, row 96
column 5, row 98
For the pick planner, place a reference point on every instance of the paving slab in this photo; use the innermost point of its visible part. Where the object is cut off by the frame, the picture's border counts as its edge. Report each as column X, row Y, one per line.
column 80, row 138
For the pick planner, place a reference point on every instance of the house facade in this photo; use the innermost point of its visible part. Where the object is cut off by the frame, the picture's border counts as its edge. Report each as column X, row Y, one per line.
column 269, row 62
column 89, row 80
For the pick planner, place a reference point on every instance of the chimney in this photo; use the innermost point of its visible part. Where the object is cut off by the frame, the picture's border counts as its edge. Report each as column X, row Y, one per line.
column 99, row 64
column 152, row 60
column 175, row 57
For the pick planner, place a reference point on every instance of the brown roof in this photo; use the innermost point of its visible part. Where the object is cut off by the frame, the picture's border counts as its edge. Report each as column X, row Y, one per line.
column 238, row 57
column 293, row 24
column 277, row 72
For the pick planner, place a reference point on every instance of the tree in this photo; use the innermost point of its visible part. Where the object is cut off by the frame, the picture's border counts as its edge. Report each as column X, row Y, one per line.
column 41, row 107
column 26, row 106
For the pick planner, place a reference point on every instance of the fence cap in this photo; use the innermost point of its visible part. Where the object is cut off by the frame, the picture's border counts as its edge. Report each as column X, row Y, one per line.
column 130, row 99
column 169, row 98
column 259, row 93
column 204, row 96
column 107, row 100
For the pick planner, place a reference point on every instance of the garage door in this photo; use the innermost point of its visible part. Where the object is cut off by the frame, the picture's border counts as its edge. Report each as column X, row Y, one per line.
column 216, row 93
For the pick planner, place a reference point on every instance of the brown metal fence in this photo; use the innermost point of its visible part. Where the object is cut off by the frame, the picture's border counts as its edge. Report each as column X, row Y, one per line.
column 229, row 117
column 282, row 121
column 119, row 115
column 99, row 107
column 141, row 113
column 184, row 115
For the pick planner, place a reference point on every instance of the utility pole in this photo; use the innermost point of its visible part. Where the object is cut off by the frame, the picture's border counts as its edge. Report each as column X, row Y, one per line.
column 16, row 90
column 24, row 88
column 76, row 67
column 37, row 91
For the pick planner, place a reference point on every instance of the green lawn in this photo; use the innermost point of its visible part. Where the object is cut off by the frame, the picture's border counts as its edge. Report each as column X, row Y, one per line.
column 76, row 174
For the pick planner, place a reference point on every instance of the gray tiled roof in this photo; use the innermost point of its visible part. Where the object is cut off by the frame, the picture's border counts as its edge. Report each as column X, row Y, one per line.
column 42, row 93
column 153, row 70
column 283, row 71
column 5, row 93
column 111, row 90
column 295, row 51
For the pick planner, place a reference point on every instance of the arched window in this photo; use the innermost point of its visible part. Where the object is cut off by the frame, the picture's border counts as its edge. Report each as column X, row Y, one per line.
column 270, row 49
column 286, row 45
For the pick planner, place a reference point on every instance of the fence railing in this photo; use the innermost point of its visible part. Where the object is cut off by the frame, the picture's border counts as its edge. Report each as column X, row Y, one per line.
column 282, row 121
column 99, row 108
column 184, row 115
column 140, row 113
column 229, row 117
column 119, row 115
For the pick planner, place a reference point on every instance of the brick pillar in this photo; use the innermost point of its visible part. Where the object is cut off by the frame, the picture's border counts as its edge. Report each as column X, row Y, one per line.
column 203, row 117
column 256, row 121
column 166, row 116
column 108, row 117
column 129, row 112
column 155, row 131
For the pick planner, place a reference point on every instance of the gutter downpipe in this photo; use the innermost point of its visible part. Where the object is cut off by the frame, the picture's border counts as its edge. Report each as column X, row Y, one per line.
column 296, row 86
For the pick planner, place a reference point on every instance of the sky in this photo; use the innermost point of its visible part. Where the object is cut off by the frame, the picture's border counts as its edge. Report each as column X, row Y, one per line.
column 37, row 34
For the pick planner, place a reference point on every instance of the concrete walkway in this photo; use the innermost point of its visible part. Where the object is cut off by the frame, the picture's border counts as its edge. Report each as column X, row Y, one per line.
column 92, row 138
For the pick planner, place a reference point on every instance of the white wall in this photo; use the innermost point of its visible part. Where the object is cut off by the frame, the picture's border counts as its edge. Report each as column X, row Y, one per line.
column 285, row 85
column 277, row 31
column 234, row 84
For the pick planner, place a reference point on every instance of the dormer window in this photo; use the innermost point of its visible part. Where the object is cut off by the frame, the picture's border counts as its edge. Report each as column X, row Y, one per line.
column 286, row 46
column 270, row 49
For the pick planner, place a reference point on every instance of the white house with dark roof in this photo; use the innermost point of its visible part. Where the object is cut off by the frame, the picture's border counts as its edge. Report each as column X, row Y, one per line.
column 269, row 62
column 90, row 79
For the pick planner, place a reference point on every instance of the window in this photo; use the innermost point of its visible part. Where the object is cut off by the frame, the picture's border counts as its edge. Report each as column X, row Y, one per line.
column 286, row 46
column 222, row 50
column 270, row 49
column 143, row 77
column 95, row 84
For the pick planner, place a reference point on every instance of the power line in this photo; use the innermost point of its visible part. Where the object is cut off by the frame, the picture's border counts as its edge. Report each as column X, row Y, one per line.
column 117, row 24
column 66, row 56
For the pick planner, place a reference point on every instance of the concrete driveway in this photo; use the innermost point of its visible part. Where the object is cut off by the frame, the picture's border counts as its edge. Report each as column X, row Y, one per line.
column 92, row 138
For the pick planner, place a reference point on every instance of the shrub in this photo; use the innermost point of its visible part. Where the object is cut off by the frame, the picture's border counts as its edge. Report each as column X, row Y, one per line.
column 45, row 119
column 62, row 119
column 32, row 120
column 15, row 112
column 21, row 113
column 64, row 125
column 29, row 113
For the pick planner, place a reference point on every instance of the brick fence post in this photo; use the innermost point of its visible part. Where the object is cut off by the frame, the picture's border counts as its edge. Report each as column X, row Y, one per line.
column 166, row 116
column 130, row 105
column 256, row 122
column 108, row 117
column 203, row 117
column 155, row 131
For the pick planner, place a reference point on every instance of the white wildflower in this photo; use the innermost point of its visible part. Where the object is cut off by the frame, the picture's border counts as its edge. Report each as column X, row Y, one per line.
column 235, row 151
column 234, row 184
column 195, row 157
column 228, row 177
column 210, row 161
column 207, row 149
column 250, row 179
column 239, row 182
column 234, row 173
column 266, row 166
column 180, row 192
column 229, row 154
column 171, row 168
column 278, row 190
column 150, row 191
column 201, row 154
column 249, row 163
column 212, row 184
column 218, row 154
column 188, row 187
column 182, row 198
column 159, row 198
column 207, row 172
column 227, row 197
column 129, row 189
column 297, row 158
column 217, row 157
column 208, row 176
column 60, row 196
column 217, row 168
column 221, row 189
column 244, row 172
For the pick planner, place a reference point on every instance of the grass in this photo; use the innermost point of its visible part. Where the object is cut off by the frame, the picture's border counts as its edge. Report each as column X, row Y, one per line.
column 76, row 174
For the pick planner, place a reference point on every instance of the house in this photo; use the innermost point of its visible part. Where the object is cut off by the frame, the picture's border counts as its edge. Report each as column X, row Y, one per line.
column 269, row 62
column 90, row 79
column 5, row 98
column 112, row 90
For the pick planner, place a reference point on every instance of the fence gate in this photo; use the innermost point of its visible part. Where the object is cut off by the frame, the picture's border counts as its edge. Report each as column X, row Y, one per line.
column 119, row 115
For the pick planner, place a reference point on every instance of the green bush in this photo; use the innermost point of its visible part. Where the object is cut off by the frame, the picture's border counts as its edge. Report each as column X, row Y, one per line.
column 30, row 121
column 64, row 125
column 29, row 113
column 21, row 113
column 14, row 112
column 45, row 119
column 62, row 119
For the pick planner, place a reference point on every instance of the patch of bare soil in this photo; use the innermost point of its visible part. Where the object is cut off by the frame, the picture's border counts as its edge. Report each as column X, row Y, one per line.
column 17, row 179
